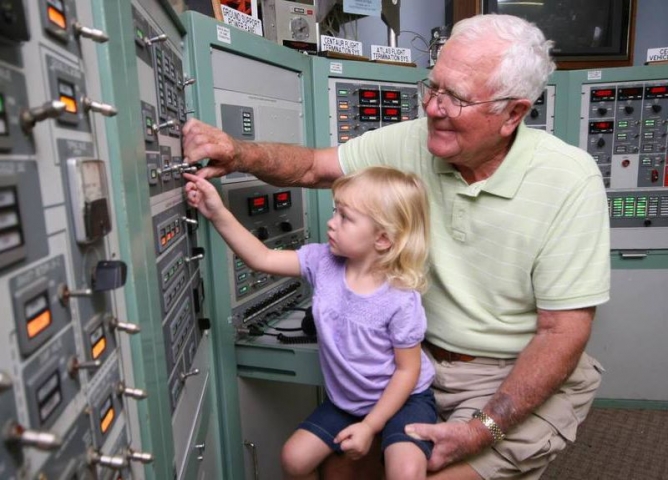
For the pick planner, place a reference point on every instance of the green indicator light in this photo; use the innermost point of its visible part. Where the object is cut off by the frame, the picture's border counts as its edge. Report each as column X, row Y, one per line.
column 649, row 123
column 343, row 92
column 623, row 124
column 140, row 34
column 2, row 104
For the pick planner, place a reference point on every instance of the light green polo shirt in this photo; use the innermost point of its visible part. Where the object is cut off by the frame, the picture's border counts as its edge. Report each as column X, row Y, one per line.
column 533, row 235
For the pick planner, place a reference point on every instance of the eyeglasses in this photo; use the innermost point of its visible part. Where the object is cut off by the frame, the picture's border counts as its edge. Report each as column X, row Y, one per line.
column 452, row 107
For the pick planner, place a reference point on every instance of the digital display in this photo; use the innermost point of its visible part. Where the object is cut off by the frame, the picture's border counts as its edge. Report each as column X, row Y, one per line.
column 369, row 97
column 601, row 127
column 98, row 342
column 657, row 91
column 391, row 97
column 391, row 114
column 369, row 114
column 38, row 315
column 630, row 93
column 600, row 95
column 282, row 200
column 49, row 396
column 67, row 96
column 258, row 205
column 107, row 415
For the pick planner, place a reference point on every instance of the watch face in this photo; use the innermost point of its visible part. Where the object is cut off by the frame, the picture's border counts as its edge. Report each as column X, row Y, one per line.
column 299, row 28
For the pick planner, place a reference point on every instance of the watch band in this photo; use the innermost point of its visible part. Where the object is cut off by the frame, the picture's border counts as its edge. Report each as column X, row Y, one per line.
column 487, row 421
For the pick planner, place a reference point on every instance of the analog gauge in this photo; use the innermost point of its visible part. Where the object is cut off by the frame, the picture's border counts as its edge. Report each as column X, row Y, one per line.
column 92, row 180
column 299, row 28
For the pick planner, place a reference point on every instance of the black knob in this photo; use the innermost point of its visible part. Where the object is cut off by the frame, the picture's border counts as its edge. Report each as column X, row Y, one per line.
column 628, row 109
column 602, row 110
column 656, row 108
column 647, row 222
column 285, row 226
column 262, row 233
column 601, row 142
column 534, row 113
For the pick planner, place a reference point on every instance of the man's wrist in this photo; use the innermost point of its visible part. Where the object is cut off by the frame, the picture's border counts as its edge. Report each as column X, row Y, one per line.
column 491, row 425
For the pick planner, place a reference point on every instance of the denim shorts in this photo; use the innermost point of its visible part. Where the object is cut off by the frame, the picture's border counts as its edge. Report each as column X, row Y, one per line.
column 328, row 420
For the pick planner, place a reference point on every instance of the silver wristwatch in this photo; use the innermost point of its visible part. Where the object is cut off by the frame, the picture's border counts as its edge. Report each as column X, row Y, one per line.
column 495, row 430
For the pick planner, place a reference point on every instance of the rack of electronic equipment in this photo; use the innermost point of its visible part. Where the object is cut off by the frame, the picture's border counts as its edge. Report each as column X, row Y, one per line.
column 114, row 362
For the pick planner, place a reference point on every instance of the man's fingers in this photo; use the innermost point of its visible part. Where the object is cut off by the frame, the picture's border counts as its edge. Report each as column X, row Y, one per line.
column 420, row 431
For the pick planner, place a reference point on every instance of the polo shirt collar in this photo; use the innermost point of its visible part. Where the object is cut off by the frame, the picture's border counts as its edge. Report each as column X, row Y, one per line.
column 506, row 180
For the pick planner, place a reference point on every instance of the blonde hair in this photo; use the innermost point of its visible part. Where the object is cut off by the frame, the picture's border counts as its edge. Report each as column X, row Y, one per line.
column 397, row 202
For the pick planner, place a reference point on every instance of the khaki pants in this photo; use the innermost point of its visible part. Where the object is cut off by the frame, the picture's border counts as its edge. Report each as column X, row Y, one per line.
column 462, row 387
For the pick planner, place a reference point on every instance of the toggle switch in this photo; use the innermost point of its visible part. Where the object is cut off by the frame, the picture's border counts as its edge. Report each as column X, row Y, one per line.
column 185, row 375
column 137, row 456
column 134, row 393
column 157, row 39
column 160, row 126
column 94, row 34
column 198, row 254
column 16, row 433
column 74, row 365
column 186, row 82
column 130, row 328
column 117, row 462
column 97, row 107
column 30, row 117
column 189, row 221
column 108, row 275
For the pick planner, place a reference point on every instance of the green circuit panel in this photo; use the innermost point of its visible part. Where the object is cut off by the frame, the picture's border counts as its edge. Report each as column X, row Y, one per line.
column 254, row 90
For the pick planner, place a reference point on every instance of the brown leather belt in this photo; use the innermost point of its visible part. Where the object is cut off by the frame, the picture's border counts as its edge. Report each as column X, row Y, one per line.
column 443, row 355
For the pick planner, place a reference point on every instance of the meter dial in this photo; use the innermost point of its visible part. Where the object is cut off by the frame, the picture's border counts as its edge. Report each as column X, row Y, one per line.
column 89, row 199
column 92, row 181
column 300, row 28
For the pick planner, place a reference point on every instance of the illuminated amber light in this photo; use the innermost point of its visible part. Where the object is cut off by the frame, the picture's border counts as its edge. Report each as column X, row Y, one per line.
column 70, row 104
column 106, row 421
column 99, row 347
column 39, row 323
column 57, row 17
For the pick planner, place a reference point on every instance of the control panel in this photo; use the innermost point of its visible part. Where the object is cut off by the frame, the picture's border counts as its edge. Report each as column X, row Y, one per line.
column 358, row 106
column 64, row 395
column 626, row 131
column 541, row 115
column 248, row 108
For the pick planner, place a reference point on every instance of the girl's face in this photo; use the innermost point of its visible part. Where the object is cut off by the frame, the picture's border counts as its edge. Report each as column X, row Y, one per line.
column 351, row 233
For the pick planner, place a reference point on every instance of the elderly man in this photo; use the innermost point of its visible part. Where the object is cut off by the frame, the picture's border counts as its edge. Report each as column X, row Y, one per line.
column 520, row 248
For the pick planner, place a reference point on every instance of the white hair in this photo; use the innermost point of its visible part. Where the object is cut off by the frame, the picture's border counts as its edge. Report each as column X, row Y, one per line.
column 524, row 67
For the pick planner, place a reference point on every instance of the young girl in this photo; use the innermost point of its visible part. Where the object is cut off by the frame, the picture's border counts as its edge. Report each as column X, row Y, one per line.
column 368, row 314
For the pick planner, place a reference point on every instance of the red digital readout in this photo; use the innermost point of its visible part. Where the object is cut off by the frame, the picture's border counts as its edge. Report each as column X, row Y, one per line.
column 259, row 201
column 391, row 111
column 369, row 111
column 390, row 95
column 630, row 91
column 369, row 94
column 282, row 197
column 602, row 93
column 602, row 125
column 658, row 90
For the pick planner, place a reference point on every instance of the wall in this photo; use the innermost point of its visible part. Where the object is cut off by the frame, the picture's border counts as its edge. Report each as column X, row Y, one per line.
column 651, row 31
